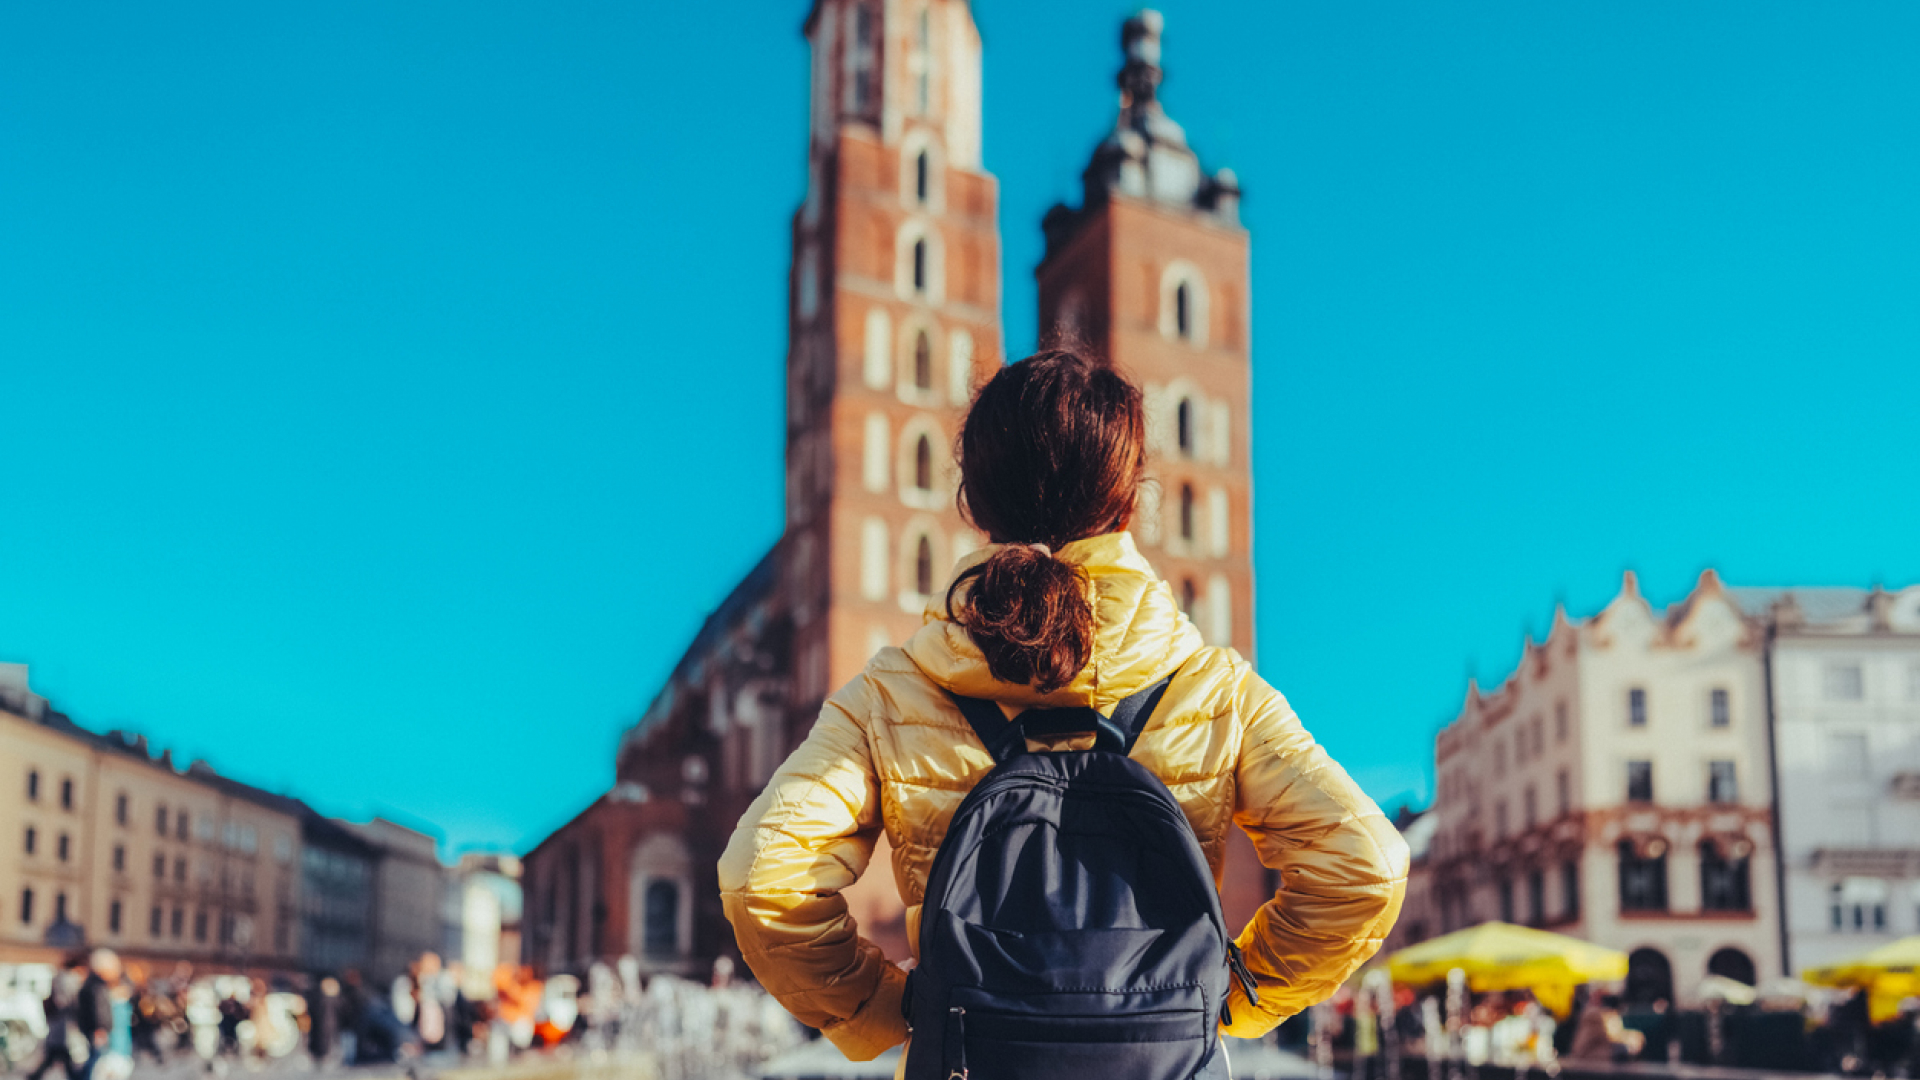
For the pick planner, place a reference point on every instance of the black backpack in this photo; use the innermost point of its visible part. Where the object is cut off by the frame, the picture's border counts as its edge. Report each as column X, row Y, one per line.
column 1071, row 926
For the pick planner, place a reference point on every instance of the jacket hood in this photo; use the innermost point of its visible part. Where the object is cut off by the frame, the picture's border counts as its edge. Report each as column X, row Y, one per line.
column 1139, row 632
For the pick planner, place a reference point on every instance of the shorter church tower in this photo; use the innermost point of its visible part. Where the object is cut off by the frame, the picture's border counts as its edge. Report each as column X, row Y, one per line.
column 1151, row 272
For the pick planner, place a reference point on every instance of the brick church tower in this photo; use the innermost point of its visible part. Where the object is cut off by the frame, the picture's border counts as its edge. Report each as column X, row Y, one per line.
column 895, row 320
column 1152, row 272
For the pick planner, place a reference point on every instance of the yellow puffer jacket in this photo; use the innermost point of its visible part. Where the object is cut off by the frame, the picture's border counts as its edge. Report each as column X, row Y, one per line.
column 891, row 751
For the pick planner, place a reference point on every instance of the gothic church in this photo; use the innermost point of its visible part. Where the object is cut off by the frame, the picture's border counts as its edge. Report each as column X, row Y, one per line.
column 894, row 316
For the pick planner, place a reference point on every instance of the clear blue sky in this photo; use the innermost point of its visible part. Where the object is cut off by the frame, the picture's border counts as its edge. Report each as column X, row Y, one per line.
column 391, row 389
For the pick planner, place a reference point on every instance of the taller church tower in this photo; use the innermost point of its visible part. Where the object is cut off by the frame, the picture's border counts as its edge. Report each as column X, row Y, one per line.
column 895, row 302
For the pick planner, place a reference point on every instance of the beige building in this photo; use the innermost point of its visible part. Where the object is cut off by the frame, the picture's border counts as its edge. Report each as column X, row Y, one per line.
column 410, row 895
column 1616, row 788
column 103, row 843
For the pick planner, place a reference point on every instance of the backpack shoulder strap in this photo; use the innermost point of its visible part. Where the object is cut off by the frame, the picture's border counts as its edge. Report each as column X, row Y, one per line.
column 1006, row 739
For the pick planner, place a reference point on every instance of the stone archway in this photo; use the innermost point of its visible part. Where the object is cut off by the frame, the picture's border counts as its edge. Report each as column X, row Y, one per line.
column 1649, row 977
column 660, row 899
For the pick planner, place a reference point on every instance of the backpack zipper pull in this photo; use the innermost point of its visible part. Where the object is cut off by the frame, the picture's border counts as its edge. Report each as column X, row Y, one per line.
column 956, row 1048
column 1238, row 965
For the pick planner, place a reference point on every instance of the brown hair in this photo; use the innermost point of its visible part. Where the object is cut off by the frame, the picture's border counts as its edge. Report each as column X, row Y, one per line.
column 1051, row 451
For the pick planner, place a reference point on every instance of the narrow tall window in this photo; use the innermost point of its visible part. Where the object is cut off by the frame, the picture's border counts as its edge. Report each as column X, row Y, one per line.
column 923, row 45
column 923, row 567
column 922, row 361
column 1186, row 597
column 33, row 785
column 1182, row 316
column 862, row 55
column 1640, row 781
column 120, row 808
column 1725, row 883
column 920, row 265
column 1560, row 722
column 1570, row 890
column 1530, row 807
column 920, row 178
column 1506, row 900
column 1536, row 897
column 119, row 858
column 26, row 906
column 1186, row 511
column 1719, row 708
column 159, row 867
column 59, row 907
column 662, row 918
column 63, row 848
column 1721, row 786
column 66, row 794
column 160, row 819
column 113, row 917
column 1184, row 426
column 1637, row 707
column 1643, row 879
column 1563, row 792
column 179, row 922
column 154, row 917
column 33, row 839
column 180, row 826
column 923, row 464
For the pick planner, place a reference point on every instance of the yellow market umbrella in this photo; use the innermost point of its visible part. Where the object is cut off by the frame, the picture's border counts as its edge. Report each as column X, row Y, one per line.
column 1888, row 974
column 1502, row 956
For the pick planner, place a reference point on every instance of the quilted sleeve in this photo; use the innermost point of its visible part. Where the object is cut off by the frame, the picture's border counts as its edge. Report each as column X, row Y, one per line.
column 809, row 835
column 1342, row 865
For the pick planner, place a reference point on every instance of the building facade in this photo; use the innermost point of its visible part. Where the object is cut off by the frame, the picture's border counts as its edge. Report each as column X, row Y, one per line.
column 110, row 844
column 1844, row 680
column 1617, row 788
column 894, row 307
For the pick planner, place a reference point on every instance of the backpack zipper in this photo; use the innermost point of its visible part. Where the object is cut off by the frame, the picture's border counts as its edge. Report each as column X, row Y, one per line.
column 956, row 1048
column 1237, row 968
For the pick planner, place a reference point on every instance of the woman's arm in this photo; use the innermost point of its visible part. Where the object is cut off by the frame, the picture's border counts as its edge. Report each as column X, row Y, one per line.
column 808, row 836
column 1343, row 866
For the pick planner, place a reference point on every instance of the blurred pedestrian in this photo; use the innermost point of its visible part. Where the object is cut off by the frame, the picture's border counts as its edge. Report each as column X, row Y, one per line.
column 58, row 1049
column 323, row 1022
column 149, row 1018
column 1600, row 1036
column 93, row 1010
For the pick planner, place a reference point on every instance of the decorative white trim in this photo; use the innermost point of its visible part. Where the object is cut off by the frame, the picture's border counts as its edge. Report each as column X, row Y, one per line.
column 873, row 559
column 1218, row 613
column 876, row 365
column 875, row 452
column 959, row 367
column 1219, row 523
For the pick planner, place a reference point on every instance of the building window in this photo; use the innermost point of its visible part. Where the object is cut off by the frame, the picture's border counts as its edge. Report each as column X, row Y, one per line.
column 59, row 908
column 160, row 819
column 920, row 170
column 33, row 785
column 120, row 808
column 1560, row 722
column 1183, row 303
column 1721, row 711
column 1506, row 900
column 1187, row 595
column 923, row 566
column 180, row 827
column 63, row 848
column 1570, row 890
column 1186, row 512
column 1529, row 808
column 1182, row 314
column 1183, row 426
column 153, row 921
column 922, row 361
column 159, row 866
column 1563, row 791
column 66, row 793
column 662, row 918
column 1536, row 898
column 113, row 917
column 179, row 923
column 1637, row 707
column 200, row 925
column 1643, row 878
column 1640, row 781
column 1733, row 964
column 1725, row 884
column 1860, row 905
column 860, row 55
column 179, row 868
column 922, row 53
column 26, row 906
column 1845, row 682
column 923, row 464
column 1721, row 786
column 119, row 858
column 920, row 266
column 1500, row 822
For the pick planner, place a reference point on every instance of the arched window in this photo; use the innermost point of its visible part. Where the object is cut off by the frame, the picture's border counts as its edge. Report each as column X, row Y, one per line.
column 1184, row 423
column 1649, row 977
column 920, row 265
column 1186, row 597
column 1732, row 964
column 1182, row 313
column 923, row 464
column 923, row 566
column 921, row 177
column 662, row 918
column 1186, row 511
column 922, row 361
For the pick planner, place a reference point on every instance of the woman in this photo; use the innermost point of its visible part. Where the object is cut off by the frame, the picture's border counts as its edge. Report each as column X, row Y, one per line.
column 1060, row 610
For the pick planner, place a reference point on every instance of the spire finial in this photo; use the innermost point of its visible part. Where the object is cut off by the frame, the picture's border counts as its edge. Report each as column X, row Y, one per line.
column 1140, row 76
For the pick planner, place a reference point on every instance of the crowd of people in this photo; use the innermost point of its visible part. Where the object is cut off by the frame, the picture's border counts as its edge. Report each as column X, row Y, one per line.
column 105, row 1018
